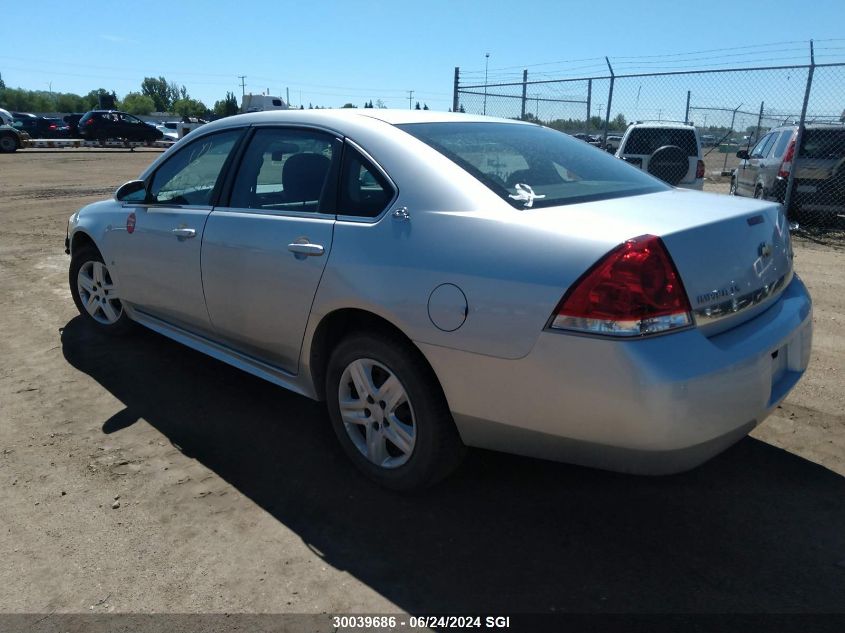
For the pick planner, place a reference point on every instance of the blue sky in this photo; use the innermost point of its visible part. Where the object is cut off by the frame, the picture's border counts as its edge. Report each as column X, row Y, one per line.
column 329, row 53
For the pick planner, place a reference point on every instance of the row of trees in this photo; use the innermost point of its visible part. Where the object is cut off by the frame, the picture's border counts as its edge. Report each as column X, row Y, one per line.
column 156, row 95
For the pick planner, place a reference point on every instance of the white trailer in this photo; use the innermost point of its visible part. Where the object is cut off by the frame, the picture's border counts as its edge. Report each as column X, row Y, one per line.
column 259, row 103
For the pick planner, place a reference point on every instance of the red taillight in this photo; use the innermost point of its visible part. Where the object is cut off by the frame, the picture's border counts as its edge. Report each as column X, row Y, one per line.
column 786, row 165
column 699, row 171
column 89, row 122
column 53, row 126
column 632, row 291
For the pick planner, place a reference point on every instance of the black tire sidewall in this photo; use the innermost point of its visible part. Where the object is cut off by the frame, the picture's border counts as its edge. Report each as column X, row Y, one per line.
column 437, row 448
column 669, row 163
column 4, row 143
column 82, row 256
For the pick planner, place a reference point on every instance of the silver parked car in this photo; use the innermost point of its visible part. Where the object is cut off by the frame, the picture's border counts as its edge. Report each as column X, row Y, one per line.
column 447, row 280
column 819, row 167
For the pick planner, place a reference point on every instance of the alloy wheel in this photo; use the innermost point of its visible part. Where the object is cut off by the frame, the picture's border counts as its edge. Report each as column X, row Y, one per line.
column 98, row 293
column 377, row 413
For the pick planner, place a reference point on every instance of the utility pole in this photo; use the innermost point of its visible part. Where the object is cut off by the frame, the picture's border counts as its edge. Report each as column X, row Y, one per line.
column 486, row 64
column 243, row 85
column 410, row 98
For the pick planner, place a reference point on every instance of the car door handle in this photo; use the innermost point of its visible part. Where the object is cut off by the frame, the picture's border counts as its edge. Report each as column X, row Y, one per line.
column 184, row 232
column 306, row 248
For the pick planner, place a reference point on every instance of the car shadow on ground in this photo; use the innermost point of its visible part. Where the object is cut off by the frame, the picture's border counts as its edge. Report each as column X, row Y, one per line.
column 756, row 529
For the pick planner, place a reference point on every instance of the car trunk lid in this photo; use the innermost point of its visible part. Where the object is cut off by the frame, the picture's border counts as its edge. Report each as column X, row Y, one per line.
column 733, row 255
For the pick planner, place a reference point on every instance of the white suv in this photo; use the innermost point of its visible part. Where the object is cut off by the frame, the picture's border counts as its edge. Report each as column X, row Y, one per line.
column 670, row 151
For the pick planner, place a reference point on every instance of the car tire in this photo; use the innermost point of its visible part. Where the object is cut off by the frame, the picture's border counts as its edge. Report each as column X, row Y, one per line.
column 404, row 403
column 758, row 192
column 95, row 293
column 669, row 163
column 732, row 190
column 8, row 143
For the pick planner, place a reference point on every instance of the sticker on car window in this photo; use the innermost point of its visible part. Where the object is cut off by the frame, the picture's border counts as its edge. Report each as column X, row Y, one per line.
column 524, row 193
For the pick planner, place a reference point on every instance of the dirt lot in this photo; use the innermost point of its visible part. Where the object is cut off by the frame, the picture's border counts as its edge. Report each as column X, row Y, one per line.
column 234, row 497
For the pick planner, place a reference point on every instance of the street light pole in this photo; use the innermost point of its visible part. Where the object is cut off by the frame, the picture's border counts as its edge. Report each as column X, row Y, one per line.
column 486, row 65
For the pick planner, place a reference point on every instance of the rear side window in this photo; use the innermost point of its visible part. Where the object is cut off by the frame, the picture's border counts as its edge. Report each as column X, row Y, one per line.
column 823, row 143
column 286, row 170
column 190, row 175
column 364, row 192
column 649, row 140
column 780, row 146
column 530, row 166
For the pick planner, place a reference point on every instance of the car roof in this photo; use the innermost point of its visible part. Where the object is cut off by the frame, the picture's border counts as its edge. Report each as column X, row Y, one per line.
column 813, row 126
column 662, row 124
column 337, row 116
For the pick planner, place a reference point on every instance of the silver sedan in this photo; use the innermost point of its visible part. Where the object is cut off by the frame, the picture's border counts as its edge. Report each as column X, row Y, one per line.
column 447, row 280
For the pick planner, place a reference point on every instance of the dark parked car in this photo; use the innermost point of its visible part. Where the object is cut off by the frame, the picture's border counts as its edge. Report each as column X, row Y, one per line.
column 72, row 122
column 38, row 126
column 99, row 125
column 11, row 139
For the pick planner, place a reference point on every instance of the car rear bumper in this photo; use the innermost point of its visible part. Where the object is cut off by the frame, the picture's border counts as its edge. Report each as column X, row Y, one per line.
column 698, row 185
column 652, row 406
column 825, row 196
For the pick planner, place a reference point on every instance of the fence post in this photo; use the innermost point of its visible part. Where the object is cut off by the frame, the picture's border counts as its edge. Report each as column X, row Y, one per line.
column 589, row 101
column 686, row 116
column 609, row 102
column 524, row 92
column 733, row 120
column 455, row 90
column 790, row 184
column 759, row 122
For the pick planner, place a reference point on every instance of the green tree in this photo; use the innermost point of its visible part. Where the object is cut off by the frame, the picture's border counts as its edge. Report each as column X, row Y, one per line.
column 68, row 102
column 226, row 107
column 2, row 83
column 92, row 99
column 619, row 122
column 417, row 106
column 349, row 105
column 189, row 107
column 136, row 103
column 160, row 92
column 425, row 106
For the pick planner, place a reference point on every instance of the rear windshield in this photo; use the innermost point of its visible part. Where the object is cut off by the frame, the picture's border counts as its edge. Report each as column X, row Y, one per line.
column 823, row 143
column 649, row 140
column 534, row 166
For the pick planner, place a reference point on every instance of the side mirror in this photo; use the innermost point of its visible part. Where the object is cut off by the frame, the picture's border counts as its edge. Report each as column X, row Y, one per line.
column 743, row 154
column 132, row 191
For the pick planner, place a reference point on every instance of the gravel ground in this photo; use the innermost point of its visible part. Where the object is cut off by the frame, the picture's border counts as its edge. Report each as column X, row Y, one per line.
column 139, row 476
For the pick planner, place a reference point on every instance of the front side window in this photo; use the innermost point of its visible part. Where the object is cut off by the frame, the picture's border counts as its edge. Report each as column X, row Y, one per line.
column 285, row 170
column 131, row 120
column 364, row 192
column 531, row 166
column 190, row 175
column 765, row 145
column 757, row 152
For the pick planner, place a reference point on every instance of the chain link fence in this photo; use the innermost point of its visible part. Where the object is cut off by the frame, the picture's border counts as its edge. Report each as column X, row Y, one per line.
column 732, row 131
